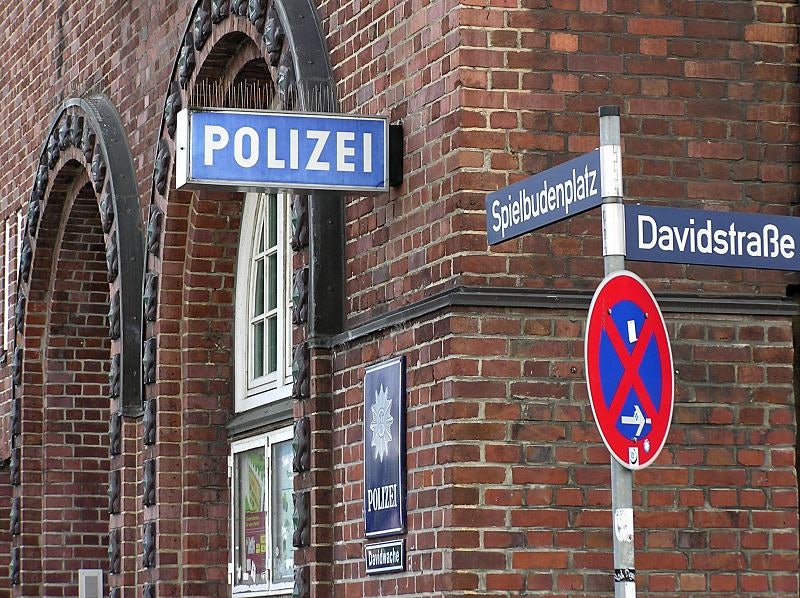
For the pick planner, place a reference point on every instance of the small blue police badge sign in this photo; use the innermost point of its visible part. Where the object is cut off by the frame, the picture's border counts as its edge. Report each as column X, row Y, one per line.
column 384, row 448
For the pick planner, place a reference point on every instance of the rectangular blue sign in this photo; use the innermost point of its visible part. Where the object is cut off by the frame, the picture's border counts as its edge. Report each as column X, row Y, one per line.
column 555, row 194
column 257, row 150
column 734, row 239
column 384, row 448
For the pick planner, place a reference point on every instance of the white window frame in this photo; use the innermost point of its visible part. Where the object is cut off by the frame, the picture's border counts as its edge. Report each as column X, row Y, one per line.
column 251, row 393
column 264, row 441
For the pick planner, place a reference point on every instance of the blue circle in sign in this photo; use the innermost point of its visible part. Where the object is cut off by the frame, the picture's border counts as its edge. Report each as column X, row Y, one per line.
column 628, row 320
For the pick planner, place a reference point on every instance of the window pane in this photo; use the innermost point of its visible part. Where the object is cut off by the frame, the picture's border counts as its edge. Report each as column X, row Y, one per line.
column 272, row 339
column 282, row 510
column 260, row 227
column 258, row 349
column 272, row 220
column 273, row 282
column 251, row 516
column 258, row 288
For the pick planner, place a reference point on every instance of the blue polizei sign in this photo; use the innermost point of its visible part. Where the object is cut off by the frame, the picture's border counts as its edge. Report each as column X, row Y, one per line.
column 555, row 194
column 384, row 448
column 734, row 239
column 258, row 150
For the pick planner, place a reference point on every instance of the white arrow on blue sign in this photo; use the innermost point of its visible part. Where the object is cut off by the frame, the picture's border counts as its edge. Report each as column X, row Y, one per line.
column 733, row 239
column 555, row 194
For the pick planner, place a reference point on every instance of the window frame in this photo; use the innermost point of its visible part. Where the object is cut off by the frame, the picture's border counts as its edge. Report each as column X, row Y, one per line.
column 255, row 392
column 264, row 441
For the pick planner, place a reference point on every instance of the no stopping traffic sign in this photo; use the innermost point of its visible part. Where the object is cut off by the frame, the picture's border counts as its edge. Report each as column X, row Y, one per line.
column 629, row 371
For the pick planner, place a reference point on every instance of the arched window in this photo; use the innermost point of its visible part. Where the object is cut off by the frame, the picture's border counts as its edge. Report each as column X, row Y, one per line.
column 263, row 303
column 262, row 557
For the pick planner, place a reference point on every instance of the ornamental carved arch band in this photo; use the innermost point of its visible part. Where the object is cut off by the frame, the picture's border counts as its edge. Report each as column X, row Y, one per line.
column 77, row 341
column 264, row 54
column 87, row 134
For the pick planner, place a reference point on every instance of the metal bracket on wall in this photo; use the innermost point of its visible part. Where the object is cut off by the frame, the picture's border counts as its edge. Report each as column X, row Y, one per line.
column 396, row 155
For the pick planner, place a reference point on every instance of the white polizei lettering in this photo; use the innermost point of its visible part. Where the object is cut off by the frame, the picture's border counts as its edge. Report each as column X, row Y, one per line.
column 344, row 151
column 649, row 221
column 367, row 151
column 214, row 138
column 382, row 497
column 238, row 147
column 294, row 143
column 272, row 151
column 321, row 138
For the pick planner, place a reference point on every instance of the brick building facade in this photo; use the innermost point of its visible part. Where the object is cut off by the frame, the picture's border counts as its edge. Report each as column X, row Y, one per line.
column 149, row 387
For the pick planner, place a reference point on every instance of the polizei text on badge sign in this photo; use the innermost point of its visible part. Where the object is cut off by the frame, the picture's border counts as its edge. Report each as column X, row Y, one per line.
column 279, row 150
column 545, row 198
column 734, row 239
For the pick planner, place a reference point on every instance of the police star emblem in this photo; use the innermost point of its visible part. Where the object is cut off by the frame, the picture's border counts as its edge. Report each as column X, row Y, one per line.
column 381, row 425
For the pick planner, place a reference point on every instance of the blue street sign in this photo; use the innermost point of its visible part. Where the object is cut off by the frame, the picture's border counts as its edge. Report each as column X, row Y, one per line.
column 384, row 448
column 257, row 150
column 734, row 239
column 555, row 194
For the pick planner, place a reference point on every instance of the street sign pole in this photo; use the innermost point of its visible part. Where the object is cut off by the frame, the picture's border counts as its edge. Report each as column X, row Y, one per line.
column 613, row 261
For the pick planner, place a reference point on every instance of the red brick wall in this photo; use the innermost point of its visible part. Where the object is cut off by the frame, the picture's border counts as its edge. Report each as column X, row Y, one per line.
column 64, row 396
column 492, row 92
column 76, row 406
column 508, row 482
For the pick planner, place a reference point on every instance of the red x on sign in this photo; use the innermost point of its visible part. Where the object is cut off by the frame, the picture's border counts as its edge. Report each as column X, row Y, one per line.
column 629, row 369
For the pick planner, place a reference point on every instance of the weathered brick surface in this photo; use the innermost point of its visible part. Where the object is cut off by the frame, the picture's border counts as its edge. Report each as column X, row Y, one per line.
column 509, row 484
column 508, row 480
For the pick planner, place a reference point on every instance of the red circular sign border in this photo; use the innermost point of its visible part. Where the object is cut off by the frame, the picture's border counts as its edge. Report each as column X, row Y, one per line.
column 617, row 444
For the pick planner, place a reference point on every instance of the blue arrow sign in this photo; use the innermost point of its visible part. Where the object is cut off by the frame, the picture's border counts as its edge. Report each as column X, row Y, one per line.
column 734, row 239
column 555, row 194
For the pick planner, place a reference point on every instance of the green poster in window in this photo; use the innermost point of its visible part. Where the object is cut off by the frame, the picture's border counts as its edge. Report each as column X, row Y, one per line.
column 255, row 516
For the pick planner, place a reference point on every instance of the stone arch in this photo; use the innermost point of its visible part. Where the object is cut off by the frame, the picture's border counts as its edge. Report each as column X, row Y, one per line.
column 279, row 44
column 77, row 345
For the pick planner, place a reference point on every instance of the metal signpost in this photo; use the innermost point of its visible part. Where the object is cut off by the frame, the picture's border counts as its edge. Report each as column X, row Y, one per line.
column 613, row 261
column 628, row 356
column 255, row 150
